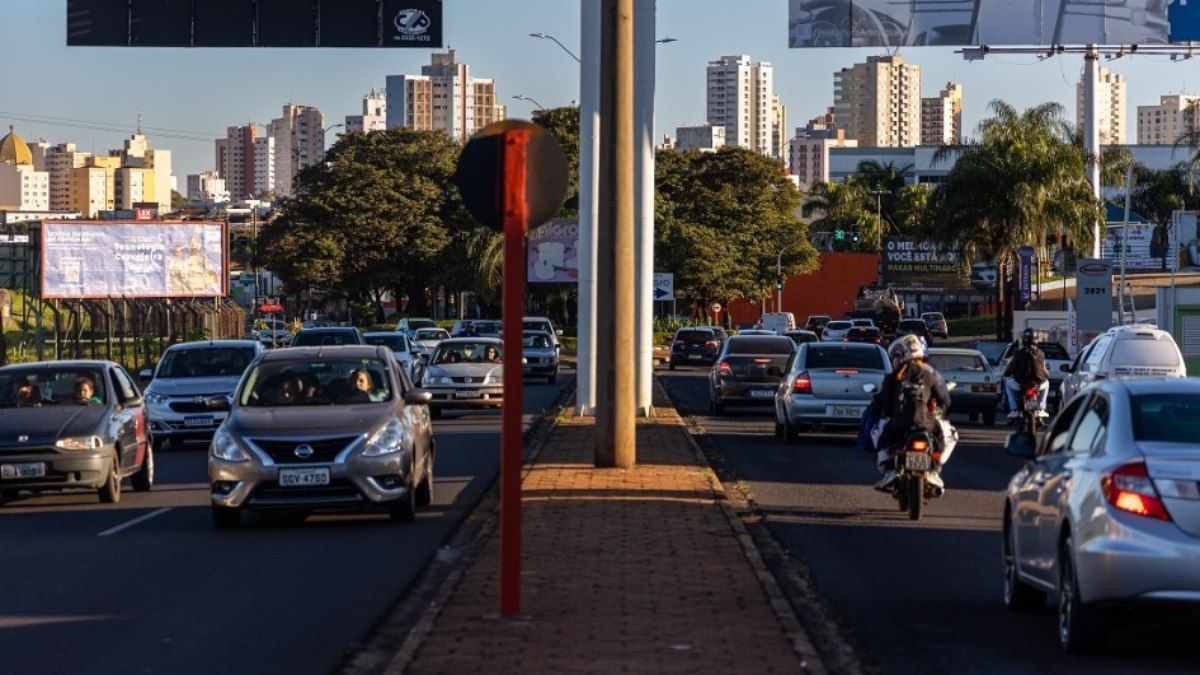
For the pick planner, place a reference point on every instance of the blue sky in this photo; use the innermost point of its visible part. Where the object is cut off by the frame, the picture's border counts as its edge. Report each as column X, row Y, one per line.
column 187, row 97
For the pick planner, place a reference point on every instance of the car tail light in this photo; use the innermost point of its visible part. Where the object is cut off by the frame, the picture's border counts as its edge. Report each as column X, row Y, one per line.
column 1130, row 489
column 724, row 369
column 679, row 344
column 846, row 371
column 802, row 385
column 767, row 360
column 711, row 343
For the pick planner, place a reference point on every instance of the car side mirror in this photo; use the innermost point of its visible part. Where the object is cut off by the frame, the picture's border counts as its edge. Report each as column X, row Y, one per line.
column 218, row 403
column 418, row 397
column 1066, row 367
column 145, row 375
column 558, row 331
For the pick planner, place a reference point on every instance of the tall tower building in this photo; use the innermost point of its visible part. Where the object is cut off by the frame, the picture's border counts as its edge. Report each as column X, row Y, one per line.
column 1164, row 123
column 879, row 102
column 443, row 97
column 299, row 143
column 741, row 98
column 374, row 114
column 236, row 161
column 61, row 161
column 941, row 116
column 1110, row 106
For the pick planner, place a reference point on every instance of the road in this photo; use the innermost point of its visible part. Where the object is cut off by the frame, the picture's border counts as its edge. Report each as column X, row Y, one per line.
column 149, row 586
column 913, row 598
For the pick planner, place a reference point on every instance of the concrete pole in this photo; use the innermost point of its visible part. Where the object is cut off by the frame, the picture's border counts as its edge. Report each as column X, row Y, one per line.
column 589, row 157
column 615, row 440
column 1091, row 131
column 643, row 123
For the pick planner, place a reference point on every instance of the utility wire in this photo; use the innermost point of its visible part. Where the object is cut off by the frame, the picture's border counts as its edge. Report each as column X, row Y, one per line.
column 180, row 134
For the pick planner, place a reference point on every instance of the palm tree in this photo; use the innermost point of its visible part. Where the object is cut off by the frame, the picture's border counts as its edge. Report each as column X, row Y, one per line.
column 837, row 206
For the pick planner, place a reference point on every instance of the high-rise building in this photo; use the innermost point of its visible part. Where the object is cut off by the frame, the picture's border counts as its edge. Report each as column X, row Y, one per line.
column 1165, row 123
column 61, row 161
column 941, row 116
column 808, row 151
column 299, row 143
column 1110, row 106
column 879, row 102
column 94, row 186
column 443, row 97
column 236, row 160
column 741, row 98
column 374, row 114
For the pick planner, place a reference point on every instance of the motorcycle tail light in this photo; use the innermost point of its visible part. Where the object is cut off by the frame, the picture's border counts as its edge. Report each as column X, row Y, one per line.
column 1129, row 488
column 803, row 384
column 1031, row 392
column 918, row 445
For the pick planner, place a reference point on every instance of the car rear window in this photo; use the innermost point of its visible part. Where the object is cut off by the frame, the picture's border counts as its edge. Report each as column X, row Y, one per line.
column 958, row 363
column 761, row 345
column 1055, row 351
column 840, row 356
column 912, row 323
column 1167, row 418
column 838, row 325
column 695, row 335
column 1144, row 352
column 313, row 338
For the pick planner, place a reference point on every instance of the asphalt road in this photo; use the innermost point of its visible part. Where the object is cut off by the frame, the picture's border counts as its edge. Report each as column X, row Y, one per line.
column 149, row 586
column 912, row 598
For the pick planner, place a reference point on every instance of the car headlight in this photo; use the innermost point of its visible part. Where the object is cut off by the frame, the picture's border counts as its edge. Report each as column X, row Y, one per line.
column 436, row 376
column 156, row 399
column 225, row 447
column 393, row 437
column 494, row 379
column 80, row 443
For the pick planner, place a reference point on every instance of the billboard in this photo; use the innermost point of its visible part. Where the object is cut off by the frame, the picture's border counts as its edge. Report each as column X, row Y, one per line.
column 255, row 23
column 553, row 252
column 886, row 23
column 1093, row 294
column 133, row 259
column 909, row 262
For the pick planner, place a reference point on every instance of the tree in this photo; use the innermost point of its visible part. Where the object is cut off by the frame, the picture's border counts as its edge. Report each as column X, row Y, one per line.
column 721, row 220
column 1156, row 195
column 839, row 208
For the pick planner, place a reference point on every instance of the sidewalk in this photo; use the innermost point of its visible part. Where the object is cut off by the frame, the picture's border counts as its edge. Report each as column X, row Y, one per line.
column 647, row 570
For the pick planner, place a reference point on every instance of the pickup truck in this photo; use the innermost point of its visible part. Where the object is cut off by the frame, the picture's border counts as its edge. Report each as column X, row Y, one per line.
column 1056, row 356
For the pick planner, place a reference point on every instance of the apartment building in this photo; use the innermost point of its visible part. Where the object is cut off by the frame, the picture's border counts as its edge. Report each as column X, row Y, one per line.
column 879, row 102
column 1110, row 106
column 1165, row 123
column 299, row 139
column 941, row 116
column 443, row 97
column 374, row 114
column 741, row 98
column 236, row 160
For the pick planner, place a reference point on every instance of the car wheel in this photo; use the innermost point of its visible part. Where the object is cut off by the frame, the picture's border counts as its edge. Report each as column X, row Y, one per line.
column 790, row 433
column 778, row 429
column 716, row 405
column 1018, row 595
column 404, row 510
column 670, row 365
column 989, row 418
column 225, row 517
column 1082, row 628
column 553, row 379
column 143, row 480
column 110, row 492
column 425, row 489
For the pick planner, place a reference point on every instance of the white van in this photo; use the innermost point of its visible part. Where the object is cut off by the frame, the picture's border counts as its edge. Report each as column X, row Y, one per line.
column 780, row 322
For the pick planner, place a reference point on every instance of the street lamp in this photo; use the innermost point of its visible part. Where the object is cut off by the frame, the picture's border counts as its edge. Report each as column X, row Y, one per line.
column 523, row 97
column 879, row 217
column 544, row 36
column 779, row 277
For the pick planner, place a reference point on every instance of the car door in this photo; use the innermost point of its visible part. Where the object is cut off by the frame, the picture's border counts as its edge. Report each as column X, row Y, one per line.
column 1027, row 515
column 129, row 418
column 1071, row 382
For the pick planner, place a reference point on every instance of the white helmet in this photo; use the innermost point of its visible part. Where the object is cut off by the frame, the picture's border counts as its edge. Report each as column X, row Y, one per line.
column 906, row 348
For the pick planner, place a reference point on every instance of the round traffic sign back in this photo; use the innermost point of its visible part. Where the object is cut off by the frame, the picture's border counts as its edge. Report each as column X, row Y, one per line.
column 715, row 308
column 480, row 173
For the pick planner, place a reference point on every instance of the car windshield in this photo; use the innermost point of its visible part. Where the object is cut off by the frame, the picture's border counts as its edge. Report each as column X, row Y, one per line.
column 205, row 362
column 838, row 356
column 957, row 363
column 535, row 341
column 914, row 324
column 316, row 382
column 315, row 338
column 838, row 325
column 394, row 341
column 467, row 352
column 414, row 324
column 1141, row 352
column 488, row 327
column 430, row 334
column 24, row 387
column 1169, row 418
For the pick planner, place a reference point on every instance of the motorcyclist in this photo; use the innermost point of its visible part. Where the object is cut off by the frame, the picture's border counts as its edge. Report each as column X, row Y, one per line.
column 1027, row 368
column 908, row 400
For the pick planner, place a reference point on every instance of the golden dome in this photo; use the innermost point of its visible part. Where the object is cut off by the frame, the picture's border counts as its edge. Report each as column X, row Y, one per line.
column 14, row 150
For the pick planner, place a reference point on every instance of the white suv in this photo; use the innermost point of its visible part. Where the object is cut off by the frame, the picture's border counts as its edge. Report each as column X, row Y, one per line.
column 1124, row 351
column 543, row 324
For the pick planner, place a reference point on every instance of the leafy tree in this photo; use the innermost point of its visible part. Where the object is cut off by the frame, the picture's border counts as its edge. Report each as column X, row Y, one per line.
column 722, row 219
column 1155, row 195
column 840, row 207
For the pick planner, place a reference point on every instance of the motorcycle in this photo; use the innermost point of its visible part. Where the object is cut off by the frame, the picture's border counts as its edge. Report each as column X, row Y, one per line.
column 1030, row 419
column 915, row 460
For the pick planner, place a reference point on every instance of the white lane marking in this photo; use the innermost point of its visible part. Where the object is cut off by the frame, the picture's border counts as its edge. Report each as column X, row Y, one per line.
column 135, row 521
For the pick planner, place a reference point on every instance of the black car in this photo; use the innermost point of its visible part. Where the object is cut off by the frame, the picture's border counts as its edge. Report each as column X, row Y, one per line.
column 916, row 327
column 72, row 424
column 868, row 334
column 327, row 336
column 698, row 345
column 748, row 371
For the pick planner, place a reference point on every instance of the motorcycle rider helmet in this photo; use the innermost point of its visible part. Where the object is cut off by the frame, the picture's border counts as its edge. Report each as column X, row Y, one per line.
column 1027, row 338
column 906, row 348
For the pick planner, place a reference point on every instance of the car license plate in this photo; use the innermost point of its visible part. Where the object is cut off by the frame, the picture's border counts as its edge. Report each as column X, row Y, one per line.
column 467, row 394
column 304, row 477
column 695, row 356
column 844, row 411
column 989, row 388
column 762, row 393
column 198, row 421
column 917, row 461
column 23, row 470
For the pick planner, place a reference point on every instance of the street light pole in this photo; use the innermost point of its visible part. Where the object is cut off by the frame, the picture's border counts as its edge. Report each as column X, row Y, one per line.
column 544, row 36
column 879, row 217
column 523, row 97
column 779, row 277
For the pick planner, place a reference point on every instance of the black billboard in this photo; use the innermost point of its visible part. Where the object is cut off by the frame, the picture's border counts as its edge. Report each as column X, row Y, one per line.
column 255, row 23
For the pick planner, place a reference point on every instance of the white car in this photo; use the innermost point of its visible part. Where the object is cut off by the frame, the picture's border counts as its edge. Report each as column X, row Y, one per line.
column 397, row 341
column 1124, row 351
column 834, row 331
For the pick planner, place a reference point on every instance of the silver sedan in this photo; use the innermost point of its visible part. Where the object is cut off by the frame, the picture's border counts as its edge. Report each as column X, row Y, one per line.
column 465, row 372
column 1105, row 513
column 828, row 385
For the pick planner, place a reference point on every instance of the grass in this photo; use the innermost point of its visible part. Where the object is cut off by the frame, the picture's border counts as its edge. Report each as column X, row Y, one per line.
column 975, row 325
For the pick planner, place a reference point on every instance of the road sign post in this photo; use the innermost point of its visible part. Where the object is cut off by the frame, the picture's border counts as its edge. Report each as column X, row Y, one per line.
column 715, row 308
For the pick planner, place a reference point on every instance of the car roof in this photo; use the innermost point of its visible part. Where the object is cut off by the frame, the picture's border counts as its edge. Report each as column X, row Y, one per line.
column 470, row 340
column 195, row 344
column 956, row 351
column 1136, row 386
column 52, row 365
column 315, row 351
column 378, row 333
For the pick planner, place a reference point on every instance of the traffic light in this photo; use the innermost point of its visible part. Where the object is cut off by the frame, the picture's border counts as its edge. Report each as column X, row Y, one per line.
column 779, row 282
column 854, row 234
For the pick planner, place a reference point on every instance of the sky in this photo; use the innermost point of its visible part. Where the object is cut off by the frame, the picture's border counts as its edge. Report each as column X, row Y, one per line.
column 186, row 98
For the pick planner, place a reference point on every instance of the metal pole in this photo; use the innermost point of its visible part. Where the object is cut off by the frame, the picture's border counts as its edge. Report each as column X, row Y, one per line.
column 589, row 154
column 1091, row 135
column 1124, row 244
column 643, row 129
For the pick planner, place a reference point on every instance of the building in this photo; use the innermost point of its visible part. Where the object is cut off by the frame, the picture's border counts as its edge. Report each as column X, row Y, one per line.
column 206, row 189
column 741, row 98
column 1165, row 123
column 1110, row 106
column 61, row 161
column 706, row 137
column 779, row 125
column 443, row 97
column 237, row 156
column 94, row 186
column 299, row 139
column 22, row 186
column 879, row 102
column 941, row 117
column 374, row 114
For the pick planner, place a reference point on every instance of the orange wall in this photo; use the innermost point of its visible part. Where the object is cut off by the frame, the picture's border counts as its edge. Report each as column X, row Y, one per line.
column 829, row 290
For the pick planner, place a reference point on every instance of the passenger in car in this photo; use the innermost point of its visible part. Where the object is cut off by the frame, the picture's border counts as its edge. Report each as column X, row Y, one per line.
column 22, row 393
column 85, row 392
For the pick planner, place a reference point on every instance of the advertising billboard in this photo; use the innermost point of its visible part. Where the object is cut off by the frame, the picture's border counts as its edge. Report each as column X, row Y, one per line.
column 133, row 259
column 909, row 262
column 886, row 23
column 553, row 252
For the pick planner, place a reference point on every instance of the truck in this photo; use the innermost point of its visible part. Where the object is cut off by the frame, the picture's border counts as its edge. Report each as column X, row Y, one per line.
column 881, row 305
